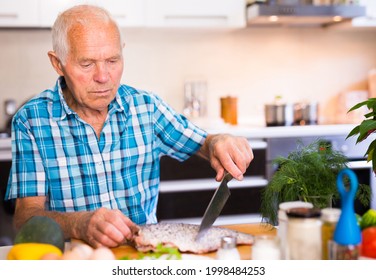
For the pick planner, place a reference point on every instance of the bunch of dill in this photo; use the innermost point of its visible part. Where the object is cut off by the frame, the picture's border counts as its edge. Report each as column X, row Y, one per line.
column 307, row 173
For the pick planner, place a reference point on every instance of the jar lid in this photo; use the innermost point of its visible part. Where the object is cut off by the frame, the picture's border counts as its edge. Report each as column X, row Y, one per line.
column 330, row 214
column 294, row 204
column 301, row 212
column 228, row 242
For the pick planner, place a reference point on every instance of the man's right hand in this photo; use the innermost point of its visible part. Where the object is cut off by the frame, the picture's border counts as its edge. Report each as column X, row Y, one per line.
column 106, row 227
column 102, row 227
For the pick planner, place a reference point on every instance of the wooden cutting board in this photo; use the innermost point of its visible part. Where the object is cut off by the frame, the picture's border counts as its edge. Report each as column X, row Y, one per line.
column 244, row 250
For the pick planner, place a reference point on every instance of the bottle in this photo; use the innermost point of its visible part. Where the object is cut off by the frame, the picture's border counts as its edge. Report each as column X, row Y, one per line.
column 266, row 247
column 304, row 234
column 228, row 250
column 329, row 217
column 347, row 235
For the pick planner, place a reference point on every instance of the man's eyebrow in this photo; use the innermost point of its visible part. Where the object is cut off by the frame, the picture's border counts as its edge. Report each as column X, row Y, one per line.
column 85, row 59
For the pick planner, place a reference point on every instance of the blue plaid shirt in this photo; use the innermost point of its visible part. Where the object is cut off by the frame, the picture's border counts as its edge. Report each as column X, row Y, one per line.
column 57, row 154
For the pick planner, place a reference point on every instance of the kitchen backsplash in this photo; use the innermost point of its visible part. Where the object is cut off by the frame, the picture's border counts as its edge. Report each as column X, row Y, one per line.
column 253, row 64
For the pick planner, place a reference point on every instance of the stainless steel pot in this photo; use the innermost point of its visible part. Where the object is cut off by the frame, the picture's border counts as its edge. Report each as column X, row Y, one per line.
column 278, row 114
column 305, row 113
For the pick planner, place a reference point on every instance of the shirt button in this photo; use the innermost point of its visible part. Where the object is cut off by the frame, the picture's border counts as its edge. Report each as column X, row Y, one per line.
column 99, row 163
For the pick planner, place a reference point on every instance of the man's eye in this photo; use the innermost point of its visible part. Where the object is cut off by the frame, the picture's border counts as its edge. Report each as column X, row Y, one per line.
column 86, row 65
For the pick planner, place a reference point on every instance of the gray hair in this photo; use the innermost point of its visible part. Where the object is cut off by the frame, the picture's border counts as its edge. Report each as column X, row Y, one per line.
column 81, row 14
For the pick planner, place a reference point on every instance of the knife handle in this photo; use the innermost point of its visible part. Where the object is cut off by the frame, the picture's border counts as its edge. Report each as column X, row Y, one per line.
column 228, row 177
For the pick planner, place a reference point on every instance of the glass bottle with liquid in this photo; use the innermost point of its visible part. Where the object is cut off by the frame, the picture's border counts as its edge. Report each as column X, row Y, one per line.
column 329, row 217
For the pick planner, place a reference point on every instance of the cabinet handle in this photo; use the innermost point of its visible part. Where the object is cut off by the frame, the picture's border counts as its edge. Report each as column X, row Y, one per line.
column 223, row 18
column 8, row 15
column 120, row 16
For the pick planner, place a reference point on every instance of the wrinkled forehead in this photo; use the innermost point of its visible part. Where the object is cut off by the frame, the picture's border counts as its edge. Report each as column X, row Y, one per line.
column 96, row 31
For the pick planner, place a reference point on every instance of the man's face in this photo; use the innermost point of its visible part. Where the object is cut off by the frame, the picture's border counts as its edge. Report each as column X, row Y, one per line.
column 93, row 67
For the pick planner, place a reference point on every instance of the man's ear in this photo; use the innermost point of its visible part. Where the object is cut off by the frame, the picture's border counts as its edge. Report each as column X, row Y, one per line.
column 56, row 64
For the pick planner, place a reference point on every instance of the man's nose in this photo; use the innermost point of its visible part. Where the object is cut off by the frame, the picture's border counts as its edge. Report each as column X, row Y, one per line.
column 101, row 73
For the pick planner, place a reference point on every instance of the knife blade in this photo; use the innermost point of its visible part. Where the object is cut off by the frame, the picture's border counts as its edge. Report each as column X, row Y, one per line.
column 215, row 206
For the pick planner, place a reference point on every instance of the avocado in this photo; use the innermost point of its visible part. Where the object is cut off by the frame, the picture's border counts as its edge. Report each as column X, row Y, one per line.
column 41, row 229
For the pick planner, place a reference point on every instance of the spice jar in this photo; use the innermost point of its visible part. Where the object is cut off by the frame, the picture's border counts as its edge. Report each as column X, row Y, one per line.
column 229, row 110
column 266, row 247
column 329, row 218
column 304, row 234
column 228, row 250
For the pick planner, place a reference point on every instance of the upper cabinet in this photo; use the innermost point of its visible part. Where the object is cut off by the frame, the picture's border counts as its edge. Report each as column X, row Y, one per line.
column 195, row 13
column 19, row 13
column 370, row 19
column 125, row 12
column 130, row 13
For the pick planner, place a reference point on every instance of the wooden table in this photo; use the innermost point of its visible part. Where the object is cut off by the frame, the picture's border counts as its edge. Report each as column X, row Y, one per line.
column 244, row 250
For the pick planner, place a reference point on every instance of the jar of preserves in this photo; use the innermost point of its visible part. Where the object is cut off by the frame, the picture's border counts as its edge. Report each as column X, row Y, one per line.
column 304, row 234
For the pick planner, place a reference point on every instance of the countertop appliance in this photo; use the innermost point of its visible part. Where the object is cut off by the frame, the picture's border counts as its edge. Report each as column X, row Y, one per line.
column 273, row 14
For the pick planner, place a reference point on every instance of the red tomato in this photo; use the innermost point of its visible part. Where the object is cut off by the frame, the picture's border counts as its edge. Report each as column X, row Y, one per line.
column 369, row 242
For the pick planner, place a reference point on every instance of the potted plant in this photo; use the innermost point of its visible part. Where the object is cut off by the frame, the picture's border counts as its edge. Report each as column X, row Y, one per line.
column 307, row 174
column 366, row 128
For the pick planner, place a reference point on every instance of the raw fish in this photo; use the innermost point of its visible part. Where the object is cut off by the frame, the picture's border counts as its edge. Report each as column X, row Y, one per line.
column 183, row 237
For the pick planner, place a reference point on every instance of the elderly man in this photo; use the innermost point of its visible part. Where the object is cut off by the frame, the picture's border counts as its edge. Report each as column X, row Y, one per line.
column 86, row 152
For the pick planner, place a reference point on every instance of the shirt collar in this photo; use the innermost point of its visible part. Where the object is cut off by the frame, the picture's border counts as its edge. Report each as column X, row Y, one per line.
column 61, row 108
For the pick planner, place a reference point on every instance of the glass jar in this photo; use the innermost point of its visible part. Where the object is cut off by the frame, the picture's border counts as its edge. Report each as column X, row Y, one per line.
column 228, row 250
column 283, row 222
column 304, row 234
column 266, row 247
column 329, row 218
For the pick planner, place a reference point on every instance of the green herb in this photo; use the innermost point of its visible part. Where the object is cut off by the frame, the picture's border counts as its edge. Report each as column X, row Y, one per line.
column 160, row 252
column 366, row 128
column 307, row 174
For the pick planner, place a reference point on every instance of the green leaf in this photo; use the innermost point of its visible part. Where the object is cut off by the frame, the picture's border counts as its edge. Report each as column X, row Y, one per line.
column 373, row 159
column 365, row 129
column 354, row 131
column 357, row 106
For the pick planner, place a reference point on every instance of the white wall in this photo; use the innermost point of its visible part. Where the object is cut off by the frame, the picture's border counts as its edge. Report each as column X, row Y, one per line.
column 252, row 64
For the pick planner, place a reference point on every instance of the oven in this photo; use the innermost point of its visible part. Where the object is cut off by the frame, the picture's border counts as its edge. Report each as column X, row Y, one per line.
column 353, row 151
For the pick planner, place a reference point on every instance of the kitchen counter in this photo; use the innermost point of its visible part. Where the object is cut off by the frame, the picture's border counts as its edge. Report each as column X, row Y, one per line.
column 251, row 131
column 254, row 132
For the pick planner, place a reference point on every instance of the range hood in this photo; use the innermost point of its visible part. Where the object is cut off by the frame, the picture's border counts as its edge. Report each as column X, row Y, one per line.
column 270, row 15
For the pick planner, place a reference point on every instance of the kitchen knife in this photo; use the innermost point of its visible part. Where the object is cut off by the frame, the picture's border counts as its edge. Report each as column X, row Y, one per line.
column 215, row 206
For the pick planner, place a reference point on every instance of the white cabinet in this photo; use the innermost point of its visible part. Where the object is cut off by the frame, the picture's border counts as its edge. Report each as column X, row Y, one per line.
column 195, row 13
column 130, row 13
column 19, row 13
column 370, row 19
column 125, row 12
